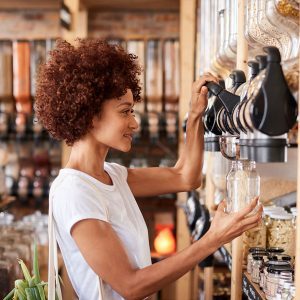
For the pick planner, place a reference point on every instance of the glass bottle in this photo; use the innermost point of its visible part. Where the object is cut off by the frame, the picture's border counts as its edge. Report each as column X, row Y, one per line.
column 229, row 180
column 243, row 184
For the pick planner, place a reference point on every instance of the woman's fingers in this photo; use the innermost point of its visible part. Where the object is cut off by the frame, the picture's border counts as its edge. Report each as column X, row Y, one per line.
column 202, row 80
column 252, row 220
column 222, row 206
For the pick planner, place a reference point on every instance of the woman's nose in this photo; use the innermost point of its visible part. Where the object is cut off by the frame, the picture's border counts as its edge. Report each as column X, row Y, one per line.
column 134, row 125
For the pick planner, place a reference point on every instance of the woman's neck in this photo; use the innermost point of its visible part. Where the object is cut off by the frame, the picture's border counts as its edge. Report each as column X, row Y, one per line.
column 89, row 157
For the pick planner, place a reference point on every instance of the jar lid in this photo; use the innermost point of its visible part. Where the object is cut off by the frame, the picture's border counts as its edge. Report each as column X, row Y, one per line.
column 271, row 208
column 276, row 263
column 280, row 269
column 285, row 257
column 256, row 257
column 275, row 250
column 255, row 249
column 272, row 257
column 281, row 216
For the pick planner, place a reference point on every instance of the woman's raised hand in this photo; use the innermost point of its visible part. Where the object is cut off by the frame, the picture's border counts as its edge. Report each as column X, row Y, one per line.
column 199, row 94
column 227, row 226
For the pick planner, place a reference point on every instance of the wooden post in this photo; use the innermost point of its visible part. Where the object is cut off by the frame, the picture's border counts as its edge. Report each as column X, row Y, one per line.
column 208, row 283
column 209, row 201
column 242, row 45
column 237, row 244
column 187, row 62
column 297, row 264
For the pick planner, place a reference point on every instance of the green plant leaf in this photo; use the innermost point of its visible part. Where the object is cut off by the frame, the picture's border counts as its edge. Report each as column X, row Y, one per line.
column 25, row 271
column 36, row 271
column 10, row 295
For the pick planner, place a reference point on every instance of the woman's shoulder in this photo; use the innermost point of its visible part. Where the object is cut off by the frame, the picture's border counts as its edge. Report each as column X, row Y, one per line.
column 70, row 181
column 116, row 169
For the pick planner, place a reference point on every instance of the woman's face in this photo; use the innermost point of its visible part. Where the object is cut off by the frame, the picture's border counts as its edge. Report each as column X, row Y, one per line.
column 116, row 124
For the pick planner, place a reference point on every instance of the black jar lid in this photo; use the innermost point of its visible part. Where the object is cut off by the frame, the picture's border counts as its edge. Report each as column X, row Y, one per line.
column 285, row 257
column 257, row 257
column 275, row 250
column 279, row 269
column 255, row 249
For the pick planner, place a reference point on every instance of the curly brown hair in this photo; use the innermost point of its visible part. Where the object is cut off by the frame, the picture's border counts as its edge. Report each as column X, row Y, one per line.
column 76, row 80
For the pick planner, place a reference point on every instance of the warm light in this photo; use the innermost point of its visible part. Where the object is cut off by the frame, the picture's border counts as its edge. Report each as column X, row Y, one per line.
column 164, row 243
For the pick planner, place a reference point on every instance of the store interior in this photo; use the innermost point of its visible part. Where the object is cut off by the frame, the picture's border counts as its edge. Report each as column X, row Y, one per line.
column 250, row 140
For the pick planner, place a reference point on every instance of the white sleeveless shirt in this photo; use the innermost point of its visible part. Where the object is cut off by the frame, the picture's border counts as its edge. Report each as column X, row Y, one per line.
column 77, row 196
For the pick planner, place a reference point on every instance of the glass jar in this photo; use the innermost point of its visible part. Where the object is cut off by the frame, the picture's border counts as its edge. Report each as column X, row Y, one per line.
column 243, row 184
column 264, row 272
column 256, row 265
column 229, row 179
column 281, row 232
column 220, row 169
column 273, row 277
column 284, row 289
column 254, row 237
column 251, row 251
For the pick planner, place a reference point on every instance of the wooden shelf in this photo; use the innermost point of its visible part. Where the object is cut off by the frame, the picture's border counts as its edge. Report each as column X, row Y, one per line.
column 133, row 5
column 250, row 289
column 29, row 4
column 6, row 202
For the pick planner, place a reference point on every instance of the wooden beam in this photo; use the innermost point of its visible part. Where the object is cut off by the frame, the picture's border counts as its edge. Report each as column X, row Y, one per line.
column 237, row 244
column 30, row 4
column 187, row 62
column 297, row 264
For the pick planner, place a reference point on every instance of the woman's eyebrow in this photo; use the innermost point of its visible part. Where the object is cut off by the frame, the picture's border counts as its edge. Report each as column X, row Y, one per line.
column 126, row 103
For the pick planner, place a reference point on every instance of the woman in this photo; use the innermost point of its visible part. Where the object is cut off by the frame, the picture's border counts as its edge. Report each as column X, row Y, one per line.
column 85, row 96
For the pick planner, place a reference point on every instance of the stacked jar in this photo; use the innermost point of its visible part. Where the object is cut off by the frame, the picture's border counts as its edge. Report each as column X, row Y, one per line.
column 275, row 275
column 281, row 232
column 254, row 251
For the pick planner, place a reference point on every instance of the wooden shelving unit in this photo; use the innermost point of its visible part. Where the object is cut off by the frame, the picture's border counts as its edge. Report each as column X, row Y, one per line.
column 241, row 281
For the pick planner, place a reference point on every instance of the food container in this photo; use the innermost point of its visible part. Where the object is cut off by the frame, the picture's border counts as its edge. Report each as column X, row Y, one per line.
column 273, row 277
column 254, row 251
column 281, row 232
column 256, row 266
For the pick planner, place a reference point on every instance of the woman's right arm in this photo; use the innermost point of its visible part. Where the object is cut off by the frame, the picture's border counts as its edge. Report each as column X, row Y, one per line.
column 104, row 252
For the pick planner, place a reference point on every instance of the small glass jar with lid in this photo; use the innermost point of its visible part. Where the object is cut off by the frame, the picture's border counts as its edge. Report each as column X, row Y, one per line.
column 264, row 272
column 281, row 232
column 254, row 251
column 256, row 265
column 275, row 273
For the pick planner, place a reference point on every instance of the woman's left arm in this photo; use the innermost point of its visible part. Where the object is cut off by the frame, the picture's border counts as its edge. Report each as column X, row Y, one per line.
column 186, row 174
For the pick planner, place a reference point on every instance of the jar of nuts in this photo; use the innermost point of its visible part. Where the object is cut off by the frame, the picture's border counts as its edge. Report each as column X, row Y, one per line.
column 281, row 232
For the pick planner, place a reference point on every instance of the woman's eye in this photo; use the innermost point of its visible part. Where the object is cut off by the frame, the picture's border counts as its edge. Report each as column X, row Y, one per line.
column 128, row 111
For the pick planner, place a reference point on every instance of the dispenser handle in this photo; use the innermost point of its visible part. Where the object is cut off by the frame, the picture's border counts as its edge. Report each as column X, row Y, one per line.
column 214, row 88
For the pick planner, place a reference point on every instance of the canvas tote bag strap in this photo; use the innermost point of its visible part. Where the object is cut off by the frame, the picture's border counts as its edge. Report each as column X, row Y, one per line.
column 53, row 279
